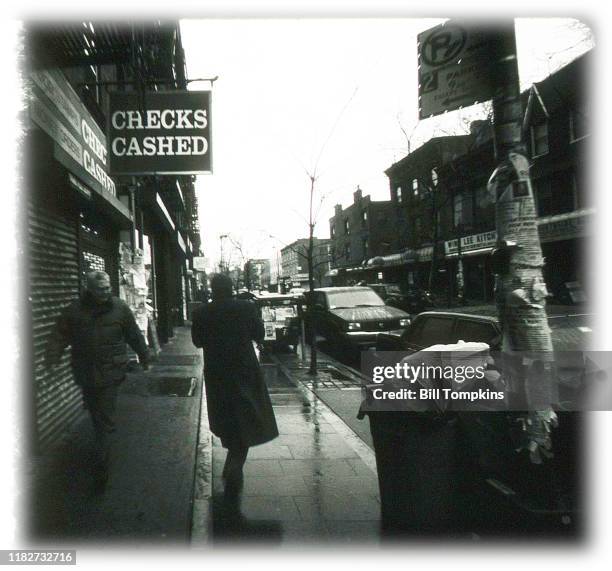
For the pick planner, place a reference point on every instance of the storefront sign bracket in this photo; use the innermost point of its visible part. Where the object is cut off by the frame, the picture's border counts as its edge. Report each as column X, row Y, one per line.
column 153, row 81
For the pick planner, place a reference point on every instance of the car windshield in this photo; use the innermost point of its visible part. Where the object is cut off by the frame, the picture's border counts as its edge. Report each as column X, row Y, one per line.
column 355, row 298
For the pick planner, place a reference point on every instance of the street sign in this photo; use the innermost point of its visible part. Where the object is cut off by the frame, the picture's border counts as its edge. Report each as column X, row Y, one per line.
column 159, row 133
column 199, row 263
column 455, row 67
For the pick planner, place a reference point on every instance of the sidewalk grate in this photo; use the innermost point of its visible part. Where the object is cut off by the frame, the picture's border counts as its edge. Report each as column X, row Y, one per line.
column 327, row 376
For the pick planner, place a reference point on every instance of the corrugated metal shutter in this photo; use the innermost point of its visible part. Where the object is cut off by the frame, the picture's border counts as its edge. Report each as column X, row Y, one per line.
column 54, row 283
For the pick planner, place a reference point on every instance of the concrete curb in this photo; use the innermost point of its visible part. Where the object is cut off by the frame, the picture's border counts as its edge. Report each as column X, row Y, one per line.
column 202, row 485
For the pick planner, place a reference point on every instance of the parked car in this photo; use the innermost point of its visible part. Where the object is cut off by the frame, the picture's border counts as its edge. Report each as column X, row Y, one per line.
column 279, row 313
column 571, row 293
column 531, row 496
column 413, row 300
column 386, row 291
column 354, row 316
column 434, row 327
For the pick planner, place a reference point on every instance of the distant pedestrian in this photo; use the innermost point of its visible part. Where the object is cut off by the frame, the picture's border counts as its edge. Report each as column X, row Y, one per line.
column 239, row 408
column 97, row 327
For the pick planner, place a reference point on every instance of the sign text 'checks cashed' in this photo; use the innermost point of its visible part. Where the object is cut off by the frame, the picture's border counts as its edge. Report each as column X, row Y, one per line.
column 159, row 133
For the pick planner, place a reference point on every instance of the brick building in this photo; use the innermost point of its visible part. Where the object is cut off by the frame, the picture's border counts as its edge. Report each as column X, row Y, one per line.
column 294, row 263
column 446, row 219
column 360, row 233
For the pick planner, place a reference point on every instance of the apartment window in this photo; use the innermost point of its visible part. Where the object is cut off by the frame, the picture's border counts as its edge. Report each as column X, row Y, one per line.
column 581, row 192
column 332, row 230
column 482, row 197
column 544, row 197
column 398, row 194
column 365, row 247
column 457, row 209
column 556, row 194
column 462, row 210
column 364, row 216
column 434, row 178
column 347, row 226
column 418, row 226
column 579, row 120
column 415, row 186
column 539, row 139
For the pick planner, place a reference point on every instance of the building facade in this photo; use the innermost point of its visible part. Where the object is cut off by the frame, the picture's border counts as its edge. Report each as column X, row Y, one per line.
column 257, row 274
column 446, row 219
column 359, row 233
column 421, row 207
column 142, row 231
column 294, row 263
column 557, row 130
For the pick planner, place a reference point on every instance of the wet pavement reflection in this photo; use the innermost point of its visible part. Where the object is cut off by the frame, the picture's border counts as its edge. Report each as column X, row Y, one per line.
column 311, row 484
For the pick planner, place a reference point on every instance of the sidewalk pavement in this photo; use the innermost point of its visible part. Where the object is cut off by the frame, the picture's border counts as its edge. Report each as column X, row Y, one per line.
column 148, row 498
column 315, row 484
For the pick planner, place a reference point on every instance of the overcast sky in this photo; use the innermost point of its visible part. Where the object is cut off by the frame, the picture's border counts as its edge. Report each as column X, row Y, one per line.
column 327, row 97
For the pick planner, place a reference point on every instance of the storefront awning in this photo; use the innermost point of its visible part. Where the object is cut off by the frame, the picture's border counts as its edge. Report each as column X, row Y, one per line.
column 398, row 259
column 565, row 226
column 469, row 253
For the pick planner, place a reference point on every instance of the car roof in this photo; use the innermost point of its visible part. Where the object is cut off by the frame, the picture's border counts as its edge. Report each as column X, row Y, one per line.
column 274, row 296
column 343, row 289
column 484, row 318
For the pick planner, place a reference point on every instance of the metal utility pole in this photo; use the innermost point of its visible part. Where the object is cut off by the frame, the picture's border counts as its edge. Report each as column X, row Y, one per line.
column 520, row 291
column 460, row 275
column 313, row 346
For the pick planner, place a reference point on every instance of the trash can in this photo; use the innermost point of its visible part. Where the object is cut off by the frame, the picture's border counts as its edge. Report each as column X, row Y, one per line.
column 416, row 459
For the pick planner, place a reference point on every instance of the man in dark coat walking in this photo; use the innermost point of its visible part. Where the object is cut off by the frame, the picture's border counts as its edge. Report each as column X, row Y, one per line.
column 97, row 327
column 239, row 408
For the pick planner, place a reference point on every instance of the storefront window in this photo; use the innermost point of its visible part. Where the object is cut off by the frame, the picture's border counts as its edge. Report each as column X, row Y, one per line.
column 555, row 195
column 579, row 120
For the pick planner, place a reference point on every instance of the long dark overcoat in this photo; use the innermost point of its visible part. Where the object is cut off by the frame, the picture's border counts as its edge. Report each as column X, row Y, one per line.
column 239, row 407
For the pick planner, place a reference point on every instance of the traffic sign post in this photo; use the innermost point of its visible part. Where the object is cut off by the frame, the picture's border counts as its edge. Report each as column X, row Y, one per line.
column 455, row 67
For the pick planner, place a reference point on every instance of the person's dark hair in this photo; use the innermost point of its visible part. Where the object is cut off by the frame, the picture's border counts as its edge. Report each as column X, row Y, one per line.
column 221, row 286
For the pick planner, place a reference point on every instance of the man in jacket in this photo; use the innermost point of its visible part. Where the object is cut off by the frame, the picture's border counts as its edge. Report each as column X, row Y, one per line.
column 97, row 327
column 239, row 408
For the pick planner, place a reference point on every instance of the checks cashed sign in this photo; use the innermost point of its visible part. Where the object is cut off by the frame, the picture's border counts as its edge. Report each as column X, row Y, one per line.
column 159, row 133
